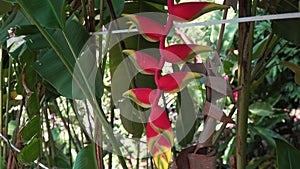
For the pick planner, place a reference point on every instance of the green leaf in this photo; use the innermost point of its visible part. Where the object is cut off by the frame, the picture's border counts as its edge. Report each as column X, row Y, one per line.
column 50, row 67
column 33, row 105
column 49, row 13
column 31, row 129
column 230, row 149
column 2, row 162
column 285, row 28
column 295, row 68
column 5, row 7
column 36, row 42
column 256, row 162
column 11, row 127
column 31, row 151
column 259, row 47
column 132, row 119
column 137, row 7
column 30, row 77
column 291, row 34
column 86, row 158
column 269, row 135
column 61, row 163
column 261, row 109
column 118, row 6
column 287, row 155
column 162, row 2
column 11, row 1
column 15, row 18
column 132, row 127
column 186, row 121
column 18, row 46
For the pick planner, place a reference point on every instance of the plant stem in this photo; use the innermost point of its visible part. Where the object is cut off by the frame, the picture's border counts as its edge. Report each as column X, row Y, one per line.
column 245, row 43
column 67, row 126
column 69, row 133
column 1, row 94
column 220, row 131
column 7, row 106
column 222, row 29
column 51, row 141
column 91, row 16
column 98, row 144
column 84, row 14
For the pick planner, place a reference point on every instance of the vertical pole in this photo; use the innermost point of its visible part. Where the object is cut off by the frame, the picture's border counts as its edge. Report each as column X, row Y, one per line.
column 245, row 40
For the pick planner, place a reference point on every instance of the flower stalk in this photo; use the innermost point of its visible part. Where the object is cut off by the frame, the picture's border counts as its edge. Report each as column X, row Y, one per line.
column 159, row 133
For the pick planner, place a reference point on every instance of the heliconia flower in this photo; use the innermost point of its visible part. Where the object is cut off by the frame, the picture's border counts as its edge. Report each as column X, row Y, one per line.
column 150, row 29
column 141, row 96
column 160, row 137
column 180, row 53
column 235, row 96
column 175, row 82
column 189, row 11
column 145, row 63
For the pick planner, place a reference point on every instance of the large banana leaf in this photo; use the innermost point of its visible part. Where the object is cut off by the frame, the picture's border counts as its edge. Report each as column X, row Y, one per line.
column 49, row 13
column 50, row 66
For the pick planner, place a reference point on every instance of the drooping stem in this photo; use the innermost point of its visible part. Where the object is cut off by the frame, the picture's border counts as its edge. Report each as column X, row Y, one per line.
column 245, row 43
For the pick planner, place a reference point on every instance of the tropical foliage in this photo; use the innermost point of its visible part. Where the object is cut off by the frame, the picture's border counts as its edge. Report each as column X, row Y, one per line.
column 221, row 96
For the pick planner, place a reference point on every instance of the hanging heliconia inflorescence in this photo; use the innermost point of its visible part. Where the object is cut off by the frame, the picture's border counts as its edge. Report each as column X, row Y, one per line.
column 160, row 138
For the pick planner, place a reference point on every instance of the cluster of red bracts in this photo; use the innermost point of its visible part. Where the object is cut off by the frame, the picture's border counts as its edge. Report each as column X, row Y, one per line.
column 159, row 131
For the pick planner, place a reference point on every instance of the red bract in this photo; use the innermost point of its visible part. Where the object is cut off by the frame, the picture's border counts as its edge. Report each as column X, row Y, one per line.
column 189, row 11
column 160, row 137
column 180, row 53
column 141, row 96
column 145, row 63
column 148, row 28
column 175, row 82
column 159, row 119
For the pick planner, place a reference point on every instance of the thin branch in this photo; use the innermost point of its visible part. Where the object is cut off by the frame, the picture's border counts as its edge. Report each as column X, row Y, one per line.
column 67, row 126
column 220, row 131
column 18, row 150
column 222, row 30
